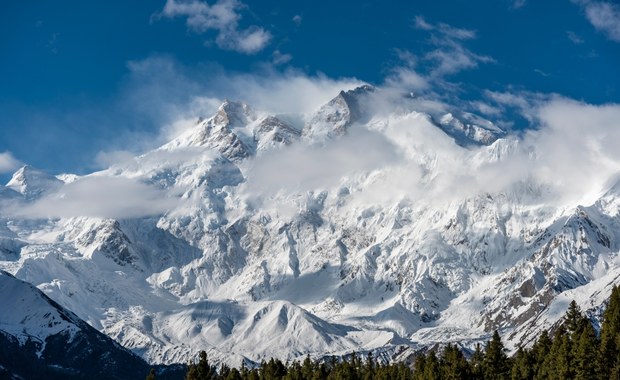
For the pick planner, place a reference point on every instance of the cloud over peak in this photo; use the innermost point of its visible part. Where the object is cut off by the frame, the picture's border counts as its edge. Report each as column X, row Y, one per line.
column 8, row 162
column 97, row 196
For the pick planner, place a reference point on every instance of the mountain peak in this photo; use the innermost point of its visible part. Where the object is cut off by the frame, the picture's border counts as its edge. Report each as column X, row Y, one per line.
column 234, row 113
column 469, row 129
column 32, row 182
column 360, row 90
column 336, row 116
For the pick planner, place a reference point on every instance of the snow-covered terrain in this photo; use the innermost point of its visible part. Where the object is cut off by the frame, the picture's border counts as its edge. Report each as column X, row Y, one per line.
column 42, row 339
column 354, row 228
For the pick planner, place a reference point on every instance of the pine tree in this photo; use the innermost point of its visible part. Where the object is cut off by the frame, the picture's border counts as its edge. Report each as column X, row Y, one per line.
column 273, row 369
column 609, row 347
column 192, row 372
column 201, row 370
column 418, row 367
column 234, row 374
column 369, row 367
column 523, row 366
column 294, row 372
column 224, row 371
column 477, row 363
column 559, row 361
column 540, row 352
column 495, row 364
column 454, row 366
column 432, row 370
column 585, row 350
column 205, row 372
column 252, row 375
column 308, row 368
column 573, row 320
column 151, row 375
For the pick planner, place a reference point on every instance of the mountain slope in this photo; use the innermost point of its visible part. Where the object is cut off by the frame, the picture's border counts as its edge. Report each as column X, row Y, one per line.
column 367, row 229
column 41, row 339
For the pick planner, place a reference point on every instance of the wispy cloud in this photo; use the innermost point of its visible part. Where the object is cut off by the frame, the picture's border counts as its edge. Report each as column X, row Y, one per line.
column 52, row 43
column 426, row 71
column 516, row 4
column 297, row 19
column 575, row 146
column 574, row 37
column 525, row 103
column 449, row 55
column 222, row 17
column 197, row 91
column 570, row 156
column 485, row 108
column 304, row 168
column 97, row 196
column 280, row 58
column 8, row 162
column 444, row 29
column 603, row 15
column 109, row 158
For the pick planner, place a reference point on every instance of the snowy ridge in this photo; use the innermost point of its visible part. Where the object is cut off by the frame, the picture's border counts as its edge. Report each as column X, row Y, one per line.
column 379, row 257
column 42, row 339
column 33, row 183
column 27, row 315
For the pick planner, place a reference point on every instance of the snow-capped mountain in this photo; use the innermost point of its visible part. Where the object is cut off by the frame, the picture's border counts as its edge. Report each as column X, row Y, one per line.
column 352, row 228
column 42, row 339
column 33, row 183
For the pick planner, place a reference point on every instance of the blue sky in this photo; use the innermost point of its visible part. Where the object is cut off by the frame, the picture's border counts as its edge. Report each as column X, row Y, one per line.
column 81, row 81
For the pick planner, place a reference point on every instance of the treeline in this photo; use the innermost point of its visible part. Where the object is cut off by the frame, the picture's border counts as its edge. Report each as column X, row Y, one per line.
column 574, row 351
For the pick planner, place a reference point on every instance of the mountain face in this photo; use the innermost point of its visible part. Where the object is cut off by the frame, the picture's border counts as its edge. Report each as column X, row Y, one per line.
column 41, row 339
column 33, row 183
column 319, row 237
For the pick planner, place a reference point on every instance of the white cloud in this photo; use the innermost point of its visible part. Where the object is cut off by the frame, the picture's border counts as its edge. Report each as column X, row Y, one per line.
column 542, row 73
column 280, row 58
column 163, row 85
column 576, row 145
column 420, row 23
column 249, row 41
column 304, row 168
column 571, row 155
column 107, row 159
column 98, row 196
column 289, row 92
column 444, row 29
column 8, row 162
column 604, row 16
column 486, row 109
column 160, row 98
column 449, row 55
column 223, row 17
column 450, row 58
column 574, row 37
column 526, row 103
column 297, row 19
column 516, row 4
column 407, row 78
